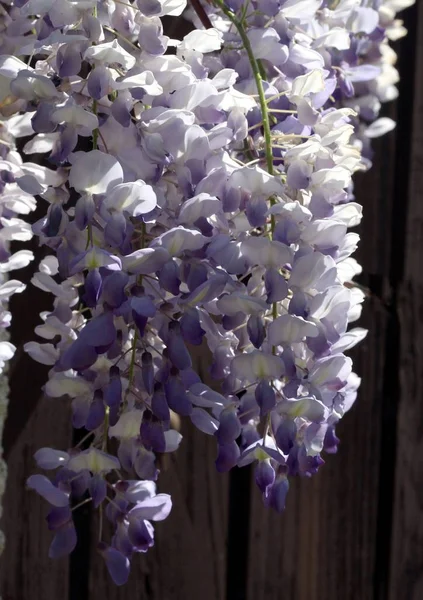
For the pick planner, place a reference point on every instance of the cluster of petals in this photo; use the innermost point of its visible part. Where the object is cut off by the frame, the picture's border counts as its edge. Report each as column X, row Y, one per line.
column 169, row 235
column 15, row 203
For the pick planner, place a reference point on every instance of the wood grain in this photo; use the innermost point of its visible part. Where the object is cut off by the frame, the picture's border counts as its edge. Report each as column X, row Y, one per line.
column 406, row 573
column 26, row 571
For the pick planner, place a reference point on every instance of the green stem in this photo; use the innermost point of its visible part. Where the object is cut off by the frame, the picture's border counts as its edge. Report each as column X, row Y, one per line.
column 259, row 77
column 255, row 66
column 133, row 355
column 135, row 340
column 106, row 429
column 95, row 132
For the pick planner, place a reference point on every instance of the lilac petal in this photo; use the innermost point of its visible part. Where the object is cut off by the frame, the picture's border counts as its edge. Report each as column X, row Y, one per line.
column 202, row 205
column 64, row 541
column 177, row 398
column 191, row 329
column 204, row 421
column 41, row 121
column 152, row 435
column 125, row 454
column 227, row 253
column 94, row 172
column 48, row 458
column 141, row 534
column 159, row 404
column 201, row 395
column 206, row 292
column 331, row 441
column 65, row 143
column 169, row 277
column 233, row 304
column 287, row 232
column 114, row 288
column 331, row 373
column 256, row 365
column 99, row 332
column 264, row 475
column 363, row 73
column 57, row 517
column 98, row 82
column 116, row 230
column 265, row 397
column 136, row 491
column 43, row 486
column 93, row 284
column 143, row 306
column 285, row 435
column 147, row 372
column 179, row 239
column 149, row 8
column 117, row 564
column 79, row 485
column 156, row 508
column 276, row 286
column 298, row 175
column 84, row 211
column 113, row 391
column 68, row 60
column 121, row 110
column 98, row 490
column 289, row 329
column 196, row 276
column 120, row 540
column 145, row 260
column 227, row 457
column 229, row 426
column 178, row 353
column 277, row 493
column 308, row 465
column 256, row 330
column 151, row 38
column 248, row 408
column 173, row 439
column 256, row 212
column 55, row 221
column 96, row 412
column 145, row 464
column 235, row 321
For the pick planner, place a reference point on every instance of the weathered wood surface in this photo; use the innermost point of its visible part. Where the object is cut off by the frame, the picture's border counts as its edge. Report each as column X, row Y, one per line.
column 26, row 571
column 354, row 531
column 406, row 571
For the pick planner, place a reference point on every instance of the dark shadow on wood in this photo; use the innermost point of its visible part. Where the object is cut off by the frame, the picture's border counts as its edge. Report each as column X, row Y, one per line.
column 391, row 388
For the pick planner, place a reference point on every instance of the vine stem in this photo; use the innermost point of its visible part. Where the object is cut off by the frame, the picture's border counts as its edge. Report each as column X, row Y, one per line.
column 136, row 337
column 258, row 73
column 255, row 66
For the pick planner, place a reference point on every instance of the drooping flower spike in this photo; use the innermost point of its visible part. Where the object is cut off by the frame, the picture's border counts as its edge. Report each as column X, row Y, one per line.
column 199, row 194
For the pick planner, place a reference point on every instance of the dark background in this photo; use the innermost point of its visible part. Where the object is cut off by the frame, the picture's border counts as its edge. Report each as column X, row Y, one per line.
column 354, row 531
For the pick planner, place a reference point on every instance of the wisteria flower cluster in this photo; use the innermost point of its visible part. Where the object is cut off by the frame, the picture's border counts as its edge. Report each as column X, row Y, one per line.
column 198, row 193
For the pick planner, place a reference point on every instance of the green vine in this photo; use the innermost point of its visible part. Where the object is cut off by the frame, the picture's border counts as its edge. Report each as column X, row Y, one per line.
column 259, row 77
column 257, row 72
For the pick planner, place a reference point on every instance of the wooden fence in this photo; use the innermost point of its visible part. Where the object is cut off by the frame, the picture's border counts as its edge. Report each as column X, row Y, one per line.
column 354, row 531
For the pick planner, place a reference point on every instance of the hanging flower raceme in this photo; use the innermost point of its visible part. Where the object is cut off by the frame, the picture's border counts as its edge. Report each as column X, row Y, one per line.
column 16, row 199
column 199, row 194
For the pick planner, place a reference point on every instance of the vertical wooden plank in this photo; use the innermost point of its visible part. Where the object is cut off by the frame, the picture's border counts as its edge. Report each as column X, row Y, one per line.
column 324, row 545
column 406, row 572
column 26, row 571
